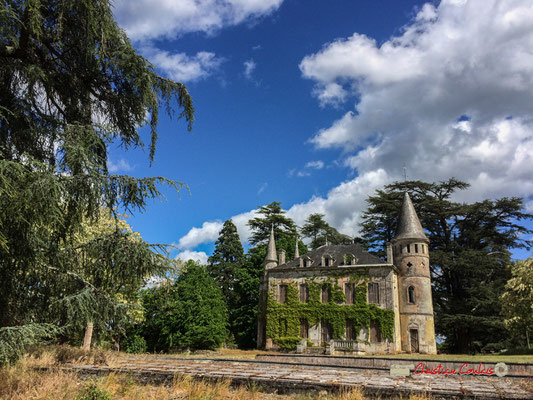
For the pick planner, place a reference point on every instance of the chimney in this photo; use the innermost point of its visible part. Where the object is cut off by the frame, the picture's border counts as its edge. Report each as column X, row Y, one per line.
column 389, row 253
column 281, row 257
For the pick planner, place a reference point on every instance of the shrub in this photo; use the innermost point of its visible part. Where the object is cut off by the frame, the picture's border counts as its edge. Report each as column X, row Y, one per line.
column 135, row 344
column 288, row 343
column 93, row 392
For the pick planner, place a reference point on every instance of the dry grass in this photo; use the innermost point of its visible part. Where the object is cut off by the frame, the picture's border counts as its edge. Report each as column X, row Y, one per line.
column 23, row 382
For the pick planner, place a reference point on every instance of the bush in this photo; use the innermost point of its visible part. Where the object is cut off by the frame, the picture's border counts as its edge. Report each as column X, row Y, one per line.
column 93, row 392
column 70, row 354
column 517, row 351
column 288, row 343
column 135, row 344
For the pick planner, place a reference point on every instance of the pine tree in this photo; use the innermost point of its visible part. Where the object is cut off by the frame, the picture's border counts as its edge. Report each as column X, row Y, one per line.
column 285, row 230
column 71, row 85
column 469, row 245
column 227, row 257
column 319, row 231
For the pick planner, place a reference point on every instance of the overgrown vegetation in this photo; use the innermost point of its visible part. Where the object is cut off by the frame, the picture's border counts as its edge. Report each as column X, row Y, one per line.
column 283, row 320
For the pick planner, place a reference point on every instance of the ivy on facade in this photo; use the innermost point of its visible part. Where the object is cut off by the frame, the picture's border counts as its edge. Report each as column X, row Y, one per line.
column 283, row 320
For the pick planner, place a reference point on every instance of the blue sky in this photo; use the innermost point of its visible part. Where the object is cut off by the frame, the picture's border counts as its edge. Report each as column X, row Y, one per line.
column 317, row 103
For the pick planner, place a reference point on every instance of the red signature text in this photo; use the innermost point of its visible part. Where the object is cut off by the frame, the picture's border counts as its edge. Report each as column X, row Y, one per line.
column 465, row 369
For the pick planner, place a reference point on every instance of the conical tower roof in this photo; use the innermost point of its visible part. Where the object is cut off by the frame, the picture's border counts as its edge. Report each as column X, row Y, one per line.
column 409, row 226
column 271, row 255
column 296, row 250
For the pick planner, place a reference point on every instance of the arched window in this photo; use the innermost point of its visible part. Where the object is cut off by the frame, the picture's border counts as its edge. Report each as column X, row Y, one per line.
column 416, row 248
column 411, row 295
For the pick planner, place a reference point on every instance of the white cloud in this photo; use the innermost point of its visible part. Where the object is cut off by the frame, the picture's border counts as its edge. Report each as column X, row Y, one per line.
column 182, row 67
column 207, row 233
column 119, row 165
column 315, row 164
column 450, row 96
column 144, row 19
column 249, row 68
column 187, row 255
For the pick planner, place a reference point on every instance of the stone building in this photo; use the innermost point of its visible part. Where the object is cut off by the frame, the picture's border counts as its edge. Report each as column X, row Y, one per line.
column 343, row 297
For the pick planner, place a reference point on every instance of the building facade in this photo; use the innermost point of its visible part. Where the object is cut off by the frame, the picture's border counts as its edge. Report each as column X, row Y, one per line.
column 342, row 295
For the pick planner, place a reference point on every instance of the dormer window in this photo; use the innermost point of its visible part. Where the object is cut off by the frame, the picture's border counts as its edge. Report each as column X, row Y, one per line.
column 350, row 259
column 305, row 262
column 327, row 261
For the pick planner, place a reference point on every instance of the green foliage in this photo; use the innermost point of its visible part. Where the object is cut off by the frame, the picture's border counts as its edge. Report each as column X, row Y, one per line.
column 190, row 313
column 72, row 87
column 469, row 250
column 272, row 215
column 318, row 230
column 283, row 320
column 517, row 301
column 225, row 267
column 15, row 340
column 288, row 343
column 93, row 392
column 135, row 344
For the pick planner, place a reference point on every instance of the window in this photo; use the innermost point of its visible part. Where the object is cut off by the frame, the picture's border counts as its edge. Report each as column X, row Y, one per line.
column 349, row 292
column 416, row 248
column 304, row 293
column 375, row 332
column 408, row 248
column 409, row 266
column 411, row 294
column 305, row 262
column 326, row 293
column 327, row 261
column 350, row 331
column 327, row 331
column 373, row 293
column 282, row 294
column 304, row 329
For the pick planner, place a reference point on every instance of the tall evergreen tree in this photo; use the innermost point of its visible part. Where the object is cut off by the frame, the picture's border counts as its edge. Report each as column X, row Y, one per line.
column 320, row 232
column 71, row 84
column 285, row 230
column 469, row 246
column 227, row 257
column 224, row 267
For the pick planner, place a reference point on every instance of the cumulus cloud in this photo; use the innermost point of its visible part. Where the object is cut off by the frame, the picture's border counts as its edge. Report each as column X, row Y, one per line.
column 249, row 68
column 198, row 256
column 142, row 19
column 450, row 96
column 182, row 67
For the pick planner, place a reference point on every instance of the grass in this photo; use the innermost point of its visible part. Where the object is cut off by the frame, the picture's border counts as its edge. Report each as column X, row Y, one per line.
column 23, row 382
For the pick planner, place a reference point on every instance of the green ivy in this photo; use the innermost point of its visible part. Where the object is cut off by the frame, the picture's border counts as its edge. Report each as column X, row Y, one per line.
column 283, row 320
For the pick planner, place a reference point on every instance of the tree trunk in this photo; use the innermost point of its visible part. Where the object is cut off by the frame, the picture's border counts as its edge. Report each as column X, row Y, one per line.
column 527, row 339
column 88, row 336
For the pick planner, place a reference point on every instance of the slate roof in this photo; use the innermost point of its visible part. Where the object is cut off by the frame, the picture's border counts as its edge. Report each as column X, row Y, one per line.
column 409, row 226
column 337, row 252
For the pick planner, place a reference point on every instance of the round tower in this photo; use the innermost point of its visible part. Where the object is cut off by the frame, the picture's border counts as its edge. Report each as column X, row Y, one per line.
column 411, row 256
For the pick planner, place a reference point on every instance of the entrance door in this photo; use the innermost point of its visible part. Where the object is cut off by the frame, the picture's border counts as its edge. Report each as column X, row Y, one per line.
column 413, row 333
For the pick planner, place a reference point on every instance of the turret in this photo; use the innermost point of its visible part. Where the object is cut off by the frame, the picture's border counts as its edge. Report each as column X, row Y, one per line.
column 271, row 258
column 410, row 255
